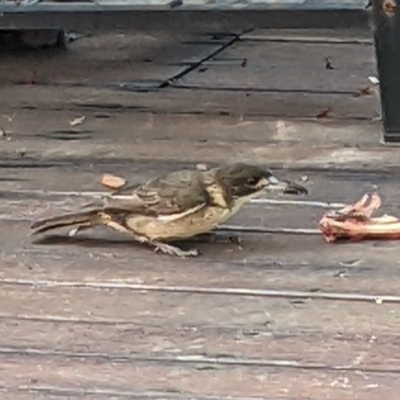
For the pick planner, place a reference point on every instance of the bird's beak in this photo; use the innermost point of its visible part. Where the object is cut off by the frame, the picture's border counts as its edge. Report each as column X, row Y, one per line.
column 275, row 185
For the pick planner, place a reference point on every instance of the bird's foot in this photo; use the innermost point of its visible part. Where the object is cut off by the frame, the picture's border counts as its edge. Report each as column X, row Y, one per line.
column 235, row 239
column 173, row 250
column 220, row 237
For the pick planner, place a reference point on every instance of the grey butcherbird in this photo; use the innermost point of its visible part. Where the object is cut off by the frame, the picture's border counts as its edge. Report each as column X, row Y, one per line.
column 176, row 206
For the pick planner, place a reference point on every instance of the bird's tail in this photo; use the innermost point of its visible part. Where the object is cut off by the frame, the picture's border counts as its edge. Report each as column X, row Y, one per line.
column 89, row 217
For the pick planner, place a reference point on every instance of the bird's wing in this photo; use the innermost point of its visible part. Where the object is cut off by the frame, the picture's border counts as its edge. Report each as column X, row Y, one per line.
column 171, row 197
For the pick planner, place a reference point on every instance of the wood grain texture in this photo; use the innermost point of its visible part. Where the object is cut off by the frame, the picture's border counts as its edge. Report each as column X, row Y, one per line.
column 280, row 66
column 99, row 317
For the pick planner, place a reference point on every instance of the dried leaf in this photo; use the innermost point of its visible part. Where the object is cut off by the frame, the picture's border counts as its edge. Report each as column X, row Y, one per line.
column 304, row 178
column 9, row 118
column 201, row 167
column 367, row 91
column 340, row 273
column 206, row 367
column 351, row 263
column 112, row 181
column 32, row 78
column 77, row 121
column 374, row 80
column 328, row 64
column 73, row 232
column 323, row 113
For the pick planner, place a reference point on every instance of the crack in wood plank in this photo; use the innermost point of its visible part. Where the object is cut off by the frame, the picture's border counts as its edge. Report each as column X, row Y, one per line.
column 297, row 294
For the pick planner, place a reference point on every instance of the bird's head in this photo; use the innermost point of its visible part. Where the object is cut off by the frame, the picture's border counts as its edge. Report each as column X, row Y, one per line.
column 244, row 180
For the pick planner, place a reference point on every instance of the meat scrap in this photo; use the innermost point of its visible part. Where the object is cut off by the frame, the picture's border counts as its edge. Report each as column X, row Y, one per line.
column 355, row 222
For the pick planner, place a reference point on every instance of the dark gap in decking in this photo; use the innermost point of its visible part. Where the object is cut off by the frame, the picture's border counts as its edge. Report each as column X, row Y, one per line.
column 266, row 90
column 197, row 64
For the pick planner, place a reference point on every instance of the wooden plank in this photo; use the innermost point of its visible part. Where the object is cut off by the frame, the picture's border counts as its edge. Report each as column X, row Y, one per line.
column 147, row 60
column 35, row 392
column 199, row 345
column 211, row 141
column 76, row 145
column 296, row 156
column 51, row 393
column 291, row 262
column 191, row 309
column 100, row 101
column 99, row 125
column 30, row 184
column 275, row 262
column 353, row 35
column 98, row 317
column 285, row 66
column 16, row 395
column 239, row 382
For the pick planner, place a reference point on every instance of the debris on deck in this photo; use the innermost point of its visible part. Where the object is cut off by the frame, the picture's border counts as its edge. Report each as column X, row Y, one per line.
column 355, row 222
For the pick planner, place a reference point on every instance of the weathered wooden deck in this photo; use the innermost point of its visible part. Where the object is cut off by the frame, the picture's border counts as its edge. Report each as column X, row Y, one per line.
column 285, row 316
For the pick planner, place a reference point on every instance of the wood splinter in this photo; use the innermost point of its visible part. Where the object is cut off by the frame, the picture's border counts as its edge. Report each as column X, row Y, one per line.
column 355, row 222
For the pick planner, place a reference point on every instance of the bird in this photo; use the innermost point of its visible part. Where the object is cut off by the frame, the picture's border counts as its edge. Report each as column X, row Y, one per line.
column 176, row 206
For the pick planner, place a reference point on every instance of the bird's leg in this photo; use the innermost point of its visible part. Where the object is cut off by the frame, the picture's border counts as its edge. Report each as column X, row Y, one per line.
column 158, row 246
column 173, row 250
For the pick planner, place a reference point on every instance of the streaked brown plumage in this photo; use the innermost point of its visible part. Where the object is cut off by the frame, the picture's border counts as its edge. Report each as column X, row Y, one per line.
column 176, row 206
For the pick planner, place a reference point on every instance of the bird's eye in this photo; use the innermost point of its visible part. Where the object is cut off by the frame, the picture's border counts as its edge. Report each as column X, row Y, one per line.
column 253, row 181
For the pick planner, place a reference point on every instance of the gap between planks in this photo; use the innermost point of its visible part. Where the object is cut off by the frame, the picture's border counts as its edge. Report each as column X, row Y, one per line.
column 193, row 359
column 253, row 37
column 297, row 294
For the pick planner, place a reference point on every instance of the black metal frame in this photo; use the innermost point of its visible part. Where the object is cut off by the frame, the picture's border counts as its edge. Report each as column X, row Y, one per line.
column 177, row 17
column 386, row 28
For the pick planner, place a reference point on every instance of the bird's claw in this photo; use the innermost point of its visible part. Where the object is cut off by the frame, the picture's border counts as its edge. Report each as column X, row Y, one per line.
column 174, row 251
column 235, row 239
column 221, row 237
